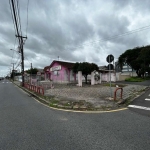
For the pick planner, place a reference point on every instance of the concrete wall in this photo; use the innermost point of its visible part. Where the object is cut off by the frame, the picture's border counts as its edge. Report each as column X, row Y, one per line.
column 122, row 76
column 105, row 77
column 117, row 76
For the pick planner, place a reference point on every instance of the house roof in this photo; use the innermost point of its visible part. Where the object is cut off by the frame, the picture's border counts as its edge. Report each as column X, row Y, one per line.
column 103, row 68
column 40, row 70
column 63, row 63
column 47, row 67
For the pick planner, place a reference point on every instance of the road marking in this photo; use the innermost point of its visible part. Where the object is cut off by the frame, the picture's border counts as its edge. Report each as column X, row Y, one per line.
column 139, row 107
column 147, row 99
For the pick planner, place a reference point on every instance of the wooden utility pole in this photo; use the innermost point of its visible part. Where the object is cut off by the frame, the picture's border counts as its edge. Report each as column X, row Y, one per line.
column 22, row 57
column 13, row 70
column 31, row 75
column 19, row 36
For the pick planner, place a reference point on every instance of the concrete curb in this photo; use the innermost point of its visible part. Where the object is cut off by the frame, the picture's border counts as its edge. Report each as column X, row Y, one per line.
column 46, row 103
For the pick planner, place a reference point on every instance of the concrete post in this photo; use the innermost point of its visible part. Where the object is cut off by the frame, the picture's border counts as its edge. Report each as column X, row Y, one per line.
column 100, row 74
column 80, row 78
column 92, row 78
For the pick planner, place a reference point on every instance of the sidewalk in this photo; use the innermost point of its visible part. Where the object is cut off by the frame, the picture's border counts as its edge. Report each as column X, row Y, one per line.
column 96, row 97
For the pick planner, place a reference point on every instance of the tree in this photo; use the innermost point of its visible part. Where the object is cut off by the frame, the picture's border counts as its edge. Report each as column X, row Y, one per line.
column 85, row 67
column 137, row 58
column 32, row 71
column 75, row 67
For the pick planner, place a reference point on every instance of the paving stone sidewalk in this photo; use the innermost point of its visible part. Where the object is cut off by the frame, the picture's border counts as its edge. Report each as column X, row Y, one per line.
column 95, row 97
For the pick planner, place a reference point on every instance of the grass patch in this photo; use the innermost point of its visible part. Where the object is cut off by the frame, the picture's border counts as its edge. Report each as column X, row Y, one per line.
column 135, row 79
column 53, row 103
column 67, row 104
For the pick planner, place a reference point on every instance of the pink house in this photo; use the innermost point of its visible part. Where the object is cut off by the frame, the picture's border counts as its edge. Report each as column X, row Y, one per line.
column 60, row 71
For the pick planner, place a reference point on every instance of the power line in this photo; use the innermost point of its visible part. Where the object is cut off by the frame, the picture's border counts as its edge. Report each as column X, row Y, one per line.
column 17, row 60
column 12, row 17
column 18, row 14
column 18, row 65
column 15, row 19
column 127, row 33
column 27, row 17
column 114, row 36
column 27, row 59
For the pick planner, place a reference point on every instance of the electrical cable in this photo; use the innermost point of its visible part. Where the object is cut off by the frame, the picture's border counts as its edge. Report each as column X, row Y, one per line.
column 12, row 17
column 27, row 17
column 19, row 19
column 18, row 65
column 114, row 37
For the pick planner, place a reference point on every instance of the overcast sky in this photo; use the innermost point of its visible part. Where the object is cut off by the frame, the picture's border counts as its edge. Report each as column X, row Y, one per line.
column 74, row 30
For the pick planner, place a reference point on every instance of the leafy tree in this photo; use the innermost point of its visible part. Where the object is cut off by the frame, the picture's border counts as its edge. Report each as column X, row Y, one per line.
column 85, row 67
column 75, row 67
column 32, row 71
column 137, row 58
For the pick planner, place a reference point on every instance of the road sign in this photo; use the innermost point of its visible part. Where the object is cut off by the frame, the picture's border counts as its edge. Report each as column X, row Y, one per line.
column 110, row 58
column 110, row 67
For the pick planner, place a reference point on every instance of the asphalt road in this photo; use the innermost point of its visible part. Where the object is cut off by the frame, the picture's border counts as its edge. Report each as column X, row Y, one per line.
column 141, row 104
column 26, row 124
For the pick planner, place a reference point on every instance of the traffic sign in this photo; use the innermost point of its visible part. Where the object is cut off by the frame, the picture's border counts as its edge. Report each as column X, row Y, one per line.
column 110, row 58
column 110, row 67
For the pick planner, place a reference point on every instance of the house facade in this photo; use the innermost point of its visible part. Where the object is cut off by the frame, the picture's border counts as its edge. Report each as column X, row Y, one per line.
column 60, row 72
column 106, row 75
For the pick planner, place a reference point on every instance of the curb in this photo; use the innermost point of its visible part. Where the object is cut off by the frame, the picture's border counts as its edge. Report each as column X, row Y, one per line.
column 47, row 104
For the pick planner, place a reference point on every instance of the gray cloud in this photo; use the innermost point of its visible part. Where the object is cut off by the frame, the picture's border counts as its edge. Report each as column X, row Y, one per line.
column 74, row 30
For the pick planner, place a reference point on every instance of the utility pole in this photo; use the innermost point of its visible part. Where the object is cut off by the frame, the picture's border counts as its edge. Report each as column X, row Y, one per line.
column 13, row 70
column 31, row 74
column 20, row 37
column 22, row 57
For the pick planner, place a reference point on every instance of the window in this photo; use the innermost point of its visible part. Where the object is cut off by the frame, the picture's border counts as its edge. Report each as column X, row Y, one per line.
column 56, row 73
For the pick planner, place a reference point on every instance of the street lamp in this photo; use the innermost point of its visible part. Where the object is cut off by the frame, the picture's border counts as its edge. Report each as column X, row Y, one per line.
column 15, row 50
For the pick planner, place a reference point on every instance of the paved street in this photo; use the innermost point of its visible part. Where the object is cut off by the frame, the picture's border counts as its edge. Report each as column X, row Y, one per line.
column 26, row 124
column 141, row 104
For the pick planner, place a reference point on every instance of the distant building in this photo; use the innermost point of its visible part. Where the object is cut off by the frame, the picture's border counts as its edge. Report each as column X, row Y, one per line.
column 105, row 76
column 126, row 69
column 60, row 71
column 117, row 67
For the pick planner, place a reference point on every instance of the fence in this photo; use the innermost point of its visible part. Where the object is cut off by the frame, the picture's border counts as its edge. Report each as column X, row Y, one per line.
column 37, row 89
